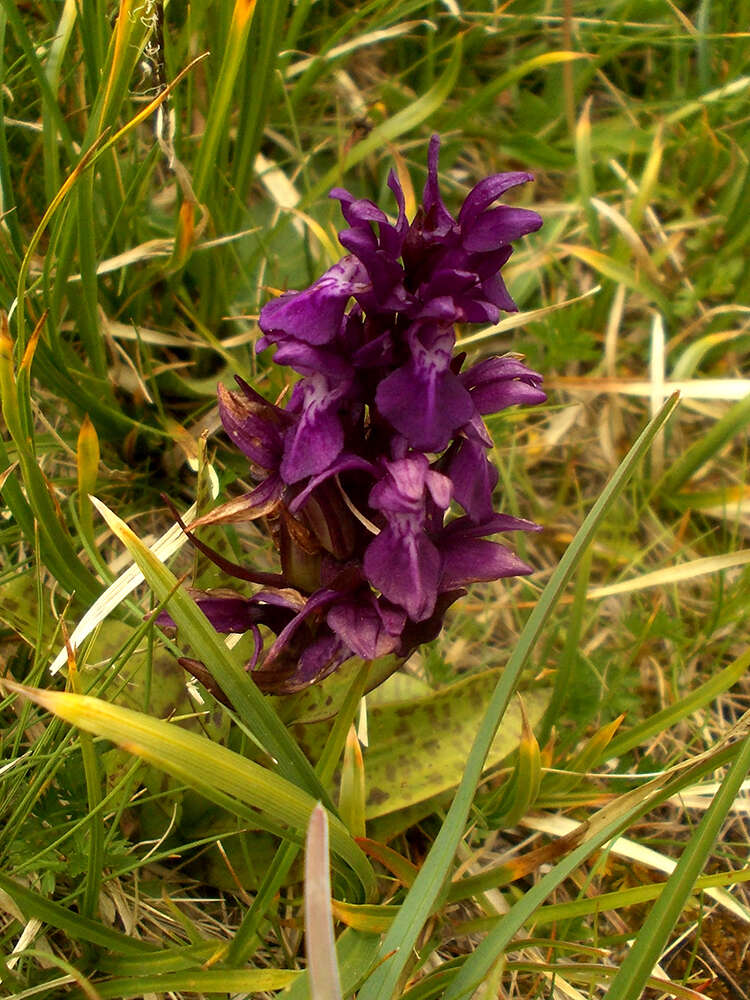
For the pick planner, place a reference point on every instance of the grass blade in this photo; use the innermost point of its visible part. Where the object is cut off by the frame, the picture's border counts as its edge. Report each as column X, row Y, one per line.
column 78, row 928
column 201, row 764
column 672, row 714
column 229, row 673
column 203, row 981
column 600, row 828
column 643, row 956
column 233, row 57
column 705, row 448
column 429, row 883
column 391, row 129
column 320, row 944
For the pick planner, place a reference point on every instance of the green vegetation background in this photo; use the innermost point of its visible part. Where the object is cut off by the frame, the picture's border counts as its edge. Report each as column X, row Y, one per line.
column 141, row 229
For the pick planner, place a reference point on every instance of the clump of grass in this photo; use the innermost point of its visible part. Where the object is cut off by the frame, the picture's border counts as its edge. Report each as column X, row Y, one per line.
column 162, row 172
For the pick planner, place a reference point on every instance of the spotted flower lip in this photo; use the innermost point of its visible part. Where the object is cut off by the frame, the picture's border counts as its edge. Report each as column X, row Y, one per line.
column 374, row 479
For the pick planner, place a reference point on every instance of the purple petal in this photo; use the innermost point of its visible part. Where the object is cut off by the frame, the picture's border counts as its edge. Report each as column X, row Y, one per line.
column 378, row 352
column 485, row 192
column 287, row 600
column 405, row 568
column 497, row 383
column 358, row 212
column 312, row 446
column 402, row 489
column 440, row 488
column 367, row 628
column 478, row 308
column 499, row 226
column 259, row 502
column 468, row 561
column 228, row 614
column 451, row 279
column 254, row 427
column 319, row 659
column 314, row 315
column 474, row 478
column 438, row 219
column 417, row 633
column 424, row 400
column 486, row 265
column 318, row 438
column 495, row 291
column 309, row 360
column 384, row 272
column 392, row 236
column 441, row 308
column 297, row 671
column 464, row 527
column 343, row 463
column 319, row 600
column 424, row 404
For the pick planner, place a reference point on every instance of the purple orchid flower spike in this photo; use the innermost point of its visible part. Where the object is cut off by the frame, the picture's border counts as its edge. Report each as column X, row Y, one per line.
column 374, row 479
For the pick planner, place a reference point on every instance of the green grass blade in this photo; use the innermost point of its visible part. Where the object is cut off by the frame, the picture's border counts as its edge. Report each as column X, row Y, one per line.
column 621, row 898
column 618, row 272
column 52, row 70
column 431, row 879
column 49, row 98
column 239, row 951
column 251, row 706
column 670, row 716
column 58, row 546
column 259, row 83
column 601, row 828
column 585, row 164
column 569, row 654
column 209, row 981
column 401, row 122
column 638, row 965
column 202, row 764
column 234, row 53
column 96, row 829
column 7, row 198
column 78, row 928
column 500, row 83
column 706, row 448
column 481, row 961
column 88, row 314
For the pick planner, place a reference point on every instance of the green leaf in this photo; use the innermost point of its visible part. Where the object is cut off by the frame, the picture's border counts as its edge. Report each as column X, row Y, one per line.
column 644, row 731
column 422, row 741
column 621, row 274
column 206, row 981
column 502, row 82
column 233, row 56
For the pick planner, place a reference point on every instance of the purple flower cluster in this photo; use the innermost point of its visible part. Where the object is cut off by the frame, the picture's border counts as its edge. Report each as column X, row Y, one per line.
column 381, row 435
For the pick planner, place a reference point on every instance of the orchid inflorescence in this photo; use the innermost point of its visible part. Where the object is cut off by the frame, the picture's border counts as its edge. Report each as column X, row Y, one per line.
column 382, row 433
